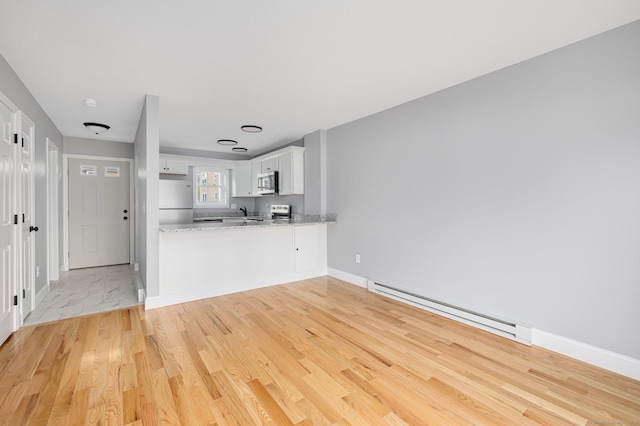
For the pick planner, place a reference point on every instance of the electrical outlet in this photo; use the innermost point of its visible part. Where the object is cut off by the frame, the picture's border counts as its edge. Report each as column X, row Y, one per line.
column 357, row 258
column 234, row 206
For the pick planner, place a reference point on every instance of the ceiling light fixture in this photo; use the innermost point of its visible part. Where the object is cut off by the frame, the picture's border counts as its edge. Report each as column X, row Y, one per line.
column 227, row 142
column 251, row 128
column 239, row 149
column 91, row 102
column 96, row 128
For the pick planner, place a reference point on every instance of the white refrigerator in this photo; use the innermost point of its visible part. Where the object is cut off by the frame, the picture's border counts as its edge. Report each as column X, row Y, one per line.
column 176, row 202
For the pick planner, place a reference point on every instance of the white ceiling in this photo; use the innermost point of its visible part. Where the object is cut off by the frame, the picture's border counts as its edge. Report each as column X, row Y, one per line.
column 291, row 66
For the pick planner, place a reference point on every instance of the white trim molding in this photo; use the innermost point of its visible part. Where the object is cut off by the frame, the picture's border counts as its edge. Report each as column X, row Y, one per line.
column 345, row 276
column 599, row 357
column 205, row 290
column 612, row 361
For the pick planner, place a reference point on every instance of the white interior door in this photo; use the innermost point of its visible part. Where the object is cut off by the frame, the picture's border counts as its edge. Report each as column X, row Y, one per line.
column 28, row 229
column 99, row 213
column 7, row 222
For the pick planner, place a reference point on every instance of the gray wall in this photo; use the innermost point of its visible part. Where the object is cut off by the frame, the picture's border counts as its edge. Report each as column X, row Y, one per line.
column 146, row 158
column 98, row 148
column 16, row 91
column 515, row 194
column 315, row 173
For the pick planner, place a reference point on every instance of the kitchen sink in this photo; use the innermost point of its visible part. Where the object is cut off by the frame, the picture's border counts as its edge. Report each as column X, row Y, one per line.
column 241, row 219
column 228, row 219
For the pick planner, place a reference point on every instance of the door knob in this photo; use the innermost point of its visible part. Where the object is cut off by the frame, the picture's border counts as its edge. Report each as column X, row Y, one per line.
column 33, row 228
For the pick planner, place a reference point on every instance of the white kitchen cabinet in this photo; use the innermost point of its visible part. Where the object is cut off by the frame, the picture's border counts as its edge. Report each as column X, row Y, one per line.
column 306, row 244
column 256, row 169
column 186, row 260
column 241, row 183
column 173, row 167
column 269, row 165
column 291, row 172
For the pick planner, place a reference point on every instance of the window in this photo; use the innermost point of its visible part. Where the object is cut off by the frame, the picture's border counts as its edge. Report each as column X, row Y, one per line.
column 212, row 187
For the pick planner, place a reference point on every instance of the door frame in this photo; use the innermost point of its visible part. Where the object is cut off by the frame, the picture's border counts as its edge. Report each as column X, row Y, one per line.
column 21, row 119
column 65, row 200
column 16, row 313
column 53, row 236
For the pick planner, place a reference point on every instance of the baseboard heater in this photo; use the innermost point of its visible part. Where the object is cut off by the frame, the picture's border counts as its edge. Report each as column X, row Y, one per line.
column 518, row 332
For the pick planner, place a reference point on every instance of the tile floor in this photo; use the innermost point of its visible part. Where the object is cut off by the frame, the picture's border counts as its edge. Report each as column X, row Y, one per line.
column 87, row 291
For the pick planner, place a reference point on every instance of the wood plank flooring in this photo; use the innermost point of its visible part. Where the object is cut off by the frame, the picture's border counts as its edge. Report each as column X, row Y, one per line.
column 311, row 352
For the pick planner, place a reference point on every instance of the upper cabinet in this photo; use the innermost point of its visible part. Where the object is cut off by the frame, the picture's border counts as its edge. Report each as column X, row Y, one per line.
column 256, row 169
column 172, row 166
column 269, row 165
column 291, row 172
column 241, row 184
column 288, row 162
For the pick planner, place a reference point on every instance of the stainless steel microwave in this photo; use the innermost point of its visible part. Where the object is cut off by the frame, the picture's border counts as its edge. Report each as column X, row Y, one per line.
column 268, row 183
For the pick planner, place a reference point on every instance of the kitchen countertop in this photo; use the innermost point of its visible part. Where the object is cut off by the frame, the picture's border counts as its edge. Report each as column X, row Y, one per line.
column 212, row 226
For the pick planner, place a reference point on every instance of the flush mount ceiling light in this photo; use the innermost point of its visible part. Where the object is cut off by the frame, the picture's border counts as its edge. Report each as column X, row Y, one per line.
column 227, row 142
column 251, row 128
column 91, row 102
column 239, row 149
column 96, row 128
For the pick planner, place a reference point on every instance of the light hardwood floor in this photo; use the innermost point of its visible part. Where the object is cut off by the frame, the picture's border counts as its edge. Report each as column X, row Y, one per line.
column 312, row 352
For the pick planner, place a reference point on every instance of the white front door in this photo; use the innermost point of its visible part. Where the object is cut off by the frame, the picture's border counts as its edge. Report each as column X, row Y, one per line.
column 8, row 221
column 27, row 196
column 99, row 212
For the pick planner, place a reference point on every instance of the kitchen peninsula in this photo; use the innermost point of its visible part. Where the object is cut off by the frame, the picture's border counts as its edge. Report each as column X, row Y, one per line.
column 208, row 259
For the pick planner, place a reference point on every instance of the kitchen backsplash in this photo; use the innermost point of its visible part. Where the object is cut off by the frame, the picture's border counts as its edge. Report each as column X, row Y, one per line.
column 263, row 204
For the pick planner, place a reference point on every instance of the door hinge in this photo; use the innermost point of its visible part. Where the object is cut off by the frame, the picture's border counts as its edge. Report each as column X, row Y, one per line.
column 15, row 138
column 24, row 293
column 15, row 219
column 15, row 300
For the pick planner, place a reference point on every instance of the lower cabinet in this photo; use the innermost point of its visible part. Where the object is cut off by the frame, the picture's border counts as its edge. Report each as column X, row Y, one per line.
column 306, row 241
column 208, row 263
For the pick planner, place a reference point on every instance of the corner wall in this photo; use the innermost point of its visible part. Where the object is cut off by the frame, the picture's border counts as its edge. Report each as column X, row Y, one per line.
column 146, row 158
column 515, row 194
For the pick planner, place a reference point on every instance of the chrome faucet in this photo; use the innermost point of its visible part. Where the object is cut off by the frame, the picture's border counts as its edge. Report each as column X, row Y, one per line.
column 243, row 210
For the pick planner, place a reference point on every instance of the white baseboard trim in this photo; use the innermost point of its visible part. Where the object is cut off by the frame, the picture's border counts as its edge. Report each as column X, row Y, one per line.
column 140, row 290
column 207, row 290
column 42, row 294
column 345, row 276
column 602, row 358
column 599, row 357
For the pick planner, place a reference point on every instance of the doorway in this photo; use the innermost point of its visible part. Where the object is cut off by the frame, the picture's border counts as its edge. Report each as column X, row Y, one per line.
column 99, row 213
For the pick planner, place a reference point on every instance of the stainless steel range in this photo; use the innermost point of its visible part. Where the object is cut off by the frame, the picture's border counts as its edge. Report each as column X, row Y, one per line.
column 280, row 211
